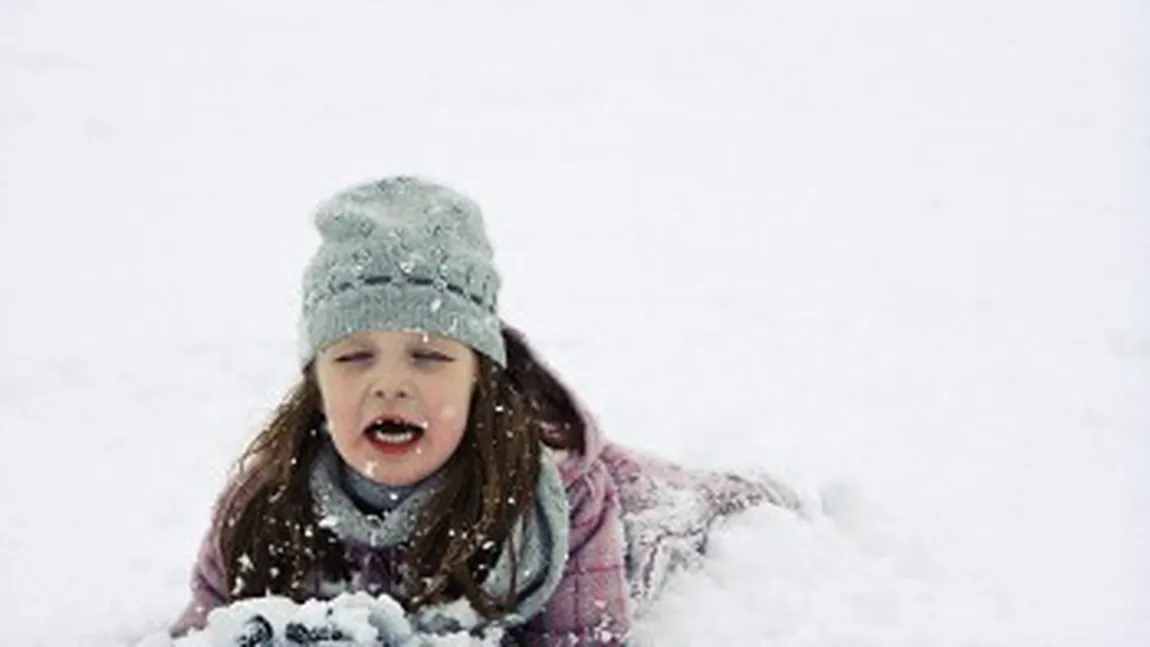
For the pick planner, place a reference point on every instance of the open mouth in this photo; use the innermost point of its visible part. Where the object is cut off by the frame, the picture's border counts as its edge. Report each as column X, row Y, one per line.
column 395, row 434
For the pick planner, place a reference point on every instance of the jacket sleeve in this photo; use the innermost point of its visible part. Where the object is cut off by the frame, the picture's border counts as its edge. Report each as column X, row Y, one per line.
column 208, row 586
column 590, row 605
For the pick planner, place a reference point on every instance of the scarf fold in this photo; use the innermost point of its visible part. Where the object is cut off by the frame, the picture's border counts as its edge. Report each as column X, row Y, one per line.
column 371, row 497
column 541, row 537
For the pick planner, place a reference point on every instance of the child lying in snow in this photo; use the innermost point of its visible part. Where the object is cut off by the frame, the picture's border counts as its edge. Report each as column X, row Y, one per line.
column 429, row 456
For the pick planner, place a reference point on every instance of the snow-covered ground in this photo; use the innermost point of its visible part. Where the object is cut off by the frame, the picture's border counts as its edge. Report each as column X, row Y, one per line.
column 896, row 251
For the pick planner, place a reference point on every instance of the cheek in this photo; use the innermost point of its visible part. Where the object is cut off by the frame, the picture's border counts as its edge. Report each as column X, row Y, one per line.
column 448, row 413
column 450, row 410
column 341, row 416
column 450, row 417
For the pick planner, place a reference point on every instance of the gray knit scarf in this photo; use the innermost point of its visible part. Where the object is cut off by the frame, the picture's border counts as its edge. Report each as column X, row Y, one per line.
column 360, row 511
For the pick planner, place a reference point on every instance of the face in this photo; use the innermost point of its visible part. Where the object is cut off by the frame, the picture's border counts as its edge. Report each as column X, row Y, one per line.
column 418, row 382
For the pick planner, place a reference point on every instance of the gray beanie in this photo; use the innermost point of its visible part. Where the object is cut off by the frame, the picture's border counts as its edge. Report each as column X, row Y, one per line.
column 401, row 254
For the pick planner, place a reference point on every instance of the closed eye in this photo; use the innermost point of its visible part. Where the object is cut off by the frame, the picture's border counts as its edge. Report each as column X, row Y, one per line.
column 353, row 357
column 431, row 356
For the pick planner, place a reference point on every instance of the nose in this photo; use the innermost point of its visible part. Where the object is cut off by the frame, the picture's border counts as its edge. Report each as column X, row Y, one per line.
column 400, row 392
column 392, row 385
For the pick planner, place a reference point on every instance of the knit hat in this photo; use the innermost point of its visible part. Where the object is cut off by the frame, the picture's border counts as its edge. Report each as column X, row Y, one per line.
column 401, row 254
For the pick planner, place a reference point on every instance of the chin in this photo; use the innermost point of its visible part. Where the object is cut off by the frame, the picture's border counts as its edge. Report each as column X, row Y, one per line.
column 400, row 479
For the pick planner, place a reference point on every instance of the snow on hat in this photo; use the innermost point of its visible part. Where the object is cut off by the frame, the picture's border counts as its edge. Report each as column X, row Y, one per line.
column 402, row 254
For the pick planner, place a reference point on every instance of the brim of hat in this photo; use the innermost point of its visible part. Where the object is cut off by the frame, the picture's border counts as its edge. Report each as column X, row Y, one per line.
column 409, row 308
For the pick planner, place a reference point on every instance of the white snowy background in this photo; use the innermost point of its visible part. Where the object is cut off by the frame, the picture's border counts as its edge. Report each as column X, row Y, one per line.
column 893, row 250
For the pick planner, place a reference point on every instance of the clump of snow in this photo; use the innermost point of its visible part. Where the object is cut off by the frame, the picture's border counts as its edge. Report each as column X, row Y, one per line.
column 352, row 619
column 846, row 576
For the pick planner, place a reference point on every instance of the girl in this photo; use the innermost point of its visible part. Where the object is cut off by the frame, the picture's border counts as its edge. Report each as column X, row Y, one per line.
column 428, row 454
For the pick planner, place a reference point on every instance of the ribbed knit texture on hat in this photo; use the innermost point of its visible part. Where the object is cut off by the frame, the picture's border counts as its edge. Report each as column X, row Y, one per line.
column 401, row 254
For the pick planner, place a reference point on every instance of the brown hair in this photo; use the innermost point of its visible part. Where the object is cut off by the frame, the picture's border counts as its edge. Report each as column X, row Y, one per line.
column 271, row 539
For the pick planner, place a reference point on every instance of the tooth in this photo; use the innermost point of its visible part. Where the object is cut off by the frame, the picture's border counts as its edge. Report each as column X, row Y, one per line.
column 395, row 438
